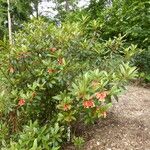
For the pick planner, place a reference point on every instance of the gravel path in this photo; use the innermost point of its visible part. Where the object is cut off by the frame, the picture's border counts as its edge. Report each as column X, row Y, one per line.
column 127, row 126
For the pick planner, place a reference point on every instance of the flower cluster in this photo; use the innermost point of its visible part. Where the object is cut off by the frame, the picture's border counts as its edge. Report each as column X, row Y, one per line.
column 101, row 95
column 88, row 104
column 21, row 102
column 66, row 107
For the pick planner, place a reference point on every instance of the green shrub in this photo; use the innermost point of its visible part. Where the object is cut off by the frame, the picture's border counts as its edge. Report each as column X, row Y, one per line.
column 34, row 137
column 61, row 76
column 143, row 63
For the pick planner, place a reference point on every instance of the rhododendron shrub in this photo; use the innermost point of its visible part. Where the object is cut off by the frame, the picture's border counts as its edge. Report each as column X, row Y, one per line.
column 62, row 75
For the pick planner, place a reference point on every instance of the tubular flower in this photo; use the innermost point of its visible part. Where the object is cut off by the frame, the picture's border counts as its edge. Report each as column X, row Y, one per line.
column 101, row 95
column 50, row 70
column 66, row 107
column 21, row 102
column 88, row 104
column 11, row 70
column 53, row 49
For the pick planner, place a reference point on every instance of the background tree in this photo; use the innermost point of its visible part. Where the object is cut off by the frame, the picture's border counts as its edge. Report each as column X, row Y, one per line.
column 3, row 18
column 63, row 7
column 20, row 11
column 96, row 7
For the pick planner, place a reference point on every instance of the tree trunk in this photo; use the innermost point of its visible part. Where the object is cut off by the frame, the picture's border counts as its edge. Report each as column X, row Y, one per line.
column 37, row 8
column 9, row 23
column 67, row 6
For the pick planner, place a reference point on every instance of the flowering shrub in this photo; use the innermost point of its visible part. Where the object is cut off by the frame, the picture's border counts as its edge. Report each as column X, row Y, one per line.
column 61, row 75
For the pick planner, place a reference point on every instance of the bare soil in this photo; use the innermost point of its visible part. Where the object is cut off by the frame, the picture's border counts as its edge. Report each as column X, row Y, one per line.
column 127, row 126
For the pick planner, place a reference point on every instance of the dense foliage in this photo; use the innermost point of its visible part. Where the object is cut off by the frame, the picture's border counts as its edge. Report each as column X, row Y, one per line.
column 59, row 77
column 53, row 78
column 130, row 18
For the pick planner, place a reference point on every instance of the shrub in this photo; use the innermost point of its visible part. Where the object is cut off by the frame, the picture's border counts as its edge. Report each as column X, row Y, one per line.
column 143, row 63
column 34, row 137
column 60, row 76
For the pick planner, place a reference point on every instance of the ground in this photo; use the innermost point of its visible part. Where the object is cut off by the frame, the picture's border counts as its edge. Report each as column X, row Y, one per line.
column 127, row 126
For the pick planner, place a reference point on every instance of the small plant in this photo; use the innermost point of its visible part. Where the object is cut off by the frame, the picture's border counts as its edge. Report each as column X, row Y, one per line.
column 78, row 142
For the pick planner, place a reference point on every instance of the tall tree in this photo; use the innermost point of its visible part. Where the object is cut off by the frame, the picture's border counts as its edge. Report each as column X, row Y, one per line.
column 96, row 7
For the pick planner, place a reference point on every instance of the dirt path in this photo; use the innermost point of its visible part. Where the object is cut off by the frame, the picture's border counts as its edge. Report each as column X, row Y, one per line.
column 127, row 126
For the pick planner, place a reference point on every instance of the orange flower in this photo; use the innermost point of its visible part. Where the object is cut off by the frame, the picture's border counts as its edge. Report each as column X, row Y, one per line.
column 50, row 70
column 53, row 49
column 11, row 70
column 101, row 95
column 66, row 107
column 88, row 104
column 21, row 102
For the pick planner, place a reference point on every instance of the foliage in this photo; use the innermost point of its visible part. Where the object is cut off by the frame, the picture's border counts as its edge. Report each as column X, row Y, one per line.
column 4, row 133
column 3, row 16
column 97, row 7
column 20, row 11
column 78, row 142
column 128, row 17
column 143, row 63
column 63, row 7
column 34, row 137
column 60, row 76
